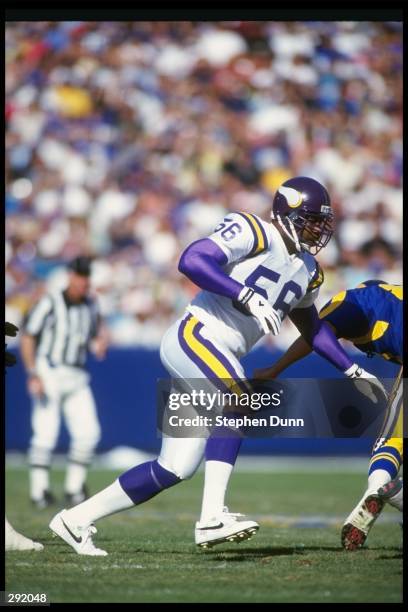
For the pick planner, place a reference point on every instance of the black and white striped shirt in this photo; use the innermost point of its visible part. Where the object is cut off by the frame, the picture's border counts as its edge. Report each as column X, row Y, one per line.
column 63, row 328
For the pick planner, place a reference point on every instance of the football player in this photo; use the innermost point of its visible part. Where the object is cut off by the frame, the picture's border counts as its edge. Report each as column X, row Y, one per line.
column 369, row 316
column 252, row 274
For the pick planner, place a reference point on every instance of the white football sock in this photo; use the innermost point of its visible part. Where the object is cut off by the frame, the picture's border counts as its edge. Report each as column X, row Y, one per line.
column 75, row 478
column 39, row 482
column 377, row 479
column 108, row 501
column 217, row 475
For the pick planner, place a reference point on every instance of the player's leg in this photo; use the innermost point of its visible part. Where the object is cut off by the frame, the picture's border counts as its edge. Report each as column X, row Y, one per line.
column 180, row 457
column 83, row 426
column 178, row 460
column 225, row 373
column 45, row 421
column 16, row 541
column 386, row 460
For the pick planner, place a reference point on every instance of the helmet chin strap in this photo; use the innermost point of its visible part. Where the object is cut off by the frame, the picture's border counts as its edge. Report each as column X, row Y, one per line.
column 290, row 234
column 306, row 247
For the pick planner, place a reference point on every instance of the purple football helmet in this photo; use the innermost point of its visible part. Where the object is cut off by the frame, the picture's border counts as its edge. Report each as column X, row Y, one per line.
column 302, row 208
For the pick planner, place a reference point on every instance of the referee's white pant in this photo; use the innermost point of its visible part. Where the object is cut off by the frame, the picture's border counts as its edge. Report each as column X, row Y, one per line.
column 67, row 394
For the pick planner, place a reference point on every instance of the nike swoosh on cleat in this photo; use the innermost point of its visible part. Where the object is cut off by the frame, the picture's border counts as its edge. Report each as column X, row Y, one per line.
column 76, row 538
column 208, row 528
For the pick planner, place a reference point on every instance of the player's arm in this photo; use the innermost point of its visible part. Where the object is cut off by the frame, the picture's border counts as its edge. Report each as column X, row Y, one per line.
column 320, row 337
column 316, row 335
column 298, row 350
column 204, row 260
column 319, row 334
column 28, row 348
column 32, row 327
column 99, row 340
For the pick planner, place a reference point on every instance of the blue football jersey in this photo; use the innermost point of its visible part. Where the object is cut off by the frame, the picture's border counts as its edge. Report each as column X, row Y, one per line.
column 370, row 316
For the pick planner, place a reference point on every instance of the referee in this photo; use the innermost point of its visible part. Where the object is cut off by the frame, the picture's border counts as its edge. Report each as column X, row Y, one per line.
column 57, row 333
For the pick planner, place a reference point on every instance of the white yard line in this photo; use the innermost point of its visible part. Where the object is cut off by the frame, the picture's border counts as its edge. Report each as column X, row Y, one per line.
column 275, row 520
column 245, row 463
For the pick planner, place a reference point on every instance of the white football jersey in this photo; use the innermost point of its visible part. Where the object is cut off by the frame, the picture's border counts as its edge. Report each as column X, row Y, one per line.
column 258, row 258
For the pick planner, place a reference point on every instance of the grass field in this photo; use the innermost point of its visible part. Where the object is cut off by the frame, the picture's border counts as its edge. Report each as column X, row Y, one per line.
column 295, row 557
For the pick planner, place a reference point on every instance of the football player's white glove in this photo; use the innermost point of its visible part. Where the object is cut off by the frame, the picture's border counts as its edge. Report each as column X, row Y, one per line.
column 367, row 383
column 260, row 308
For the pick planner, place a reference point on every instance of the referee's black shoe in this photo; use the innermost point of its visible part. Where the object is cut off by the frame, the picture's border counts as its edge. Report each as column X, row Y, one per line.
column 45, row 501
column 73, row 499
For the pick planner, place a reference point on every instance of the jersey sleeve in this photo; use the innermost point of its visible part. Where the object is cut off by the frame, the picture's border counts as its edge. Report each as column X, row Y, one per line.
column 240, row 235
column 35, row 319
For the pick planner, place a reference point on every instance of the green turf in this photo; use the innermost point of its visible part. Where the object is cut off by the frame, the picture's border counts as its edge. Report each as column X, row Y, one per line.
column 152, row 557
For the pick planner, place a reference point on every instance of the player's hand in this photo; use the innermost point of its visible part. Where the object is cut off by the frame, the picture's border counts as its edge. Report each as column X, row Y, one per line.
column 367, row 383
column 35, row 386
column 264, row 373
column 260, row 308
column 99, row 347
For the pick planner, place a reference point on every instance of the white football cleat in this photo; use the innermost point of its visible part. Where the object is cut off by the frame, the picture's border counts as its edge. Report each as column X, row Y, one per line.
column 227, row 527
column 16, row 540
column 79, row 538
column 360, row 520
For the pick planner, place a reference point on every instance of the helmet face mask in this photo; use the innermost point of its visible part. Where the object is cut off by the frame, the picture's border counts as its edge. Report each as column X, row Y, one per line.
column 303, row 210
column 314, row 231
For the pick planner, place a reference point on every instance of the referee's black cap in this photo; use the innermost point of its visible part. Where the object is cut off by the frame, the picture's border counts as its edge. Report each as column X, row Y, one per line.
column 81, row 265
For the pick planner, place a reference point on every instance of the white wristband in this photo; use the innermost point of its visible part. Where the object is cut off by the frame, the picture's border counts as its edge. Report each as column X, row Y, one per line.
column 352, row 370
column 245, row 295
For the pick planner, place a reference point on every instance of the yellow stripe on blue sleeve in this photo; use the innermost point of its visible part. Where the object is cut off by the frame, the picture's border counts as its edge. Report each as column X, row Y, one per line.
column 377, row 331
column 334, row 303
column 396, row 290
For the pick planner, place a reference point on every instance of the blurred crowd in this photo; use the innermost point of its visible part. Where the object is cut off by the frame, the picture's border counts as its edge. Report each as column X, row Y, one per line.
column 126, row 141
